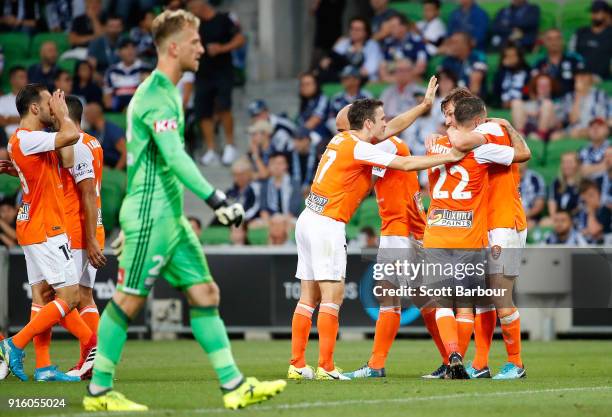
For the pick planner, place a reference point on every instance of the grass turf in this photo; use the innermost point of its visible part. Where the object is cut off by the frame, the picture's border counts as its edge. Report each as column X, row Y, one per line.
column 565, row 378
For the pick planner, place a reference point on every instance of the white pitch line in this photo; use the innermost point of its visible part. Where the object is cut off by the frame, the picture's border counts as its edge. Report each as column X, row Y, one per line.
column 297, row 406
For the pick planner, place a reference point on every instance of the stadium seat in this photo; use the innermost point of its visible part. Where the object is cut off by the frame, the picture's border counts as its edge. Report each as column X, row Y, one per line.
column 538, row 234
column 548, row 172
column 446, row 10
column 9, row 186
column 574, row 15
column 114, row 183
column 433, row 64
column 606, row 86
column 14, row 45
column 60, row 39
column 549, row 12
column 500, row 113
column 24, row 62
column 537, row 152
column 215, row 235
column 116, row 118
column 258, row 236
column 331, row 89
column 492, row 8
column 68, row 65
column 376, row 89
column 557, row 148
column 368, row 214
column 412, row 10
column 492, row 66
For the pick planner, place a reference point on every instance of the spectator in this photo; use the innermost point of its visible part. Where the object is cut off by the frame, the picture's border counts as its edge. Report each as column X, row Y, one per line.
column 143, row 38
column 244, row 190
column 303, row 160
column 560, row 65
column 564, row 232
column 533, row 194
column 239, row 235
column 593, row 42
column 468, row 65
column 537, row 116
column 215, row 78
column 313, row 106
column 516, row 23
column 88, row 26
column 592, row 156
column 58, row 15
column 110, row 136
column 472, row 19
column 379, row 23
column 583, row 105
column 511, row 77
column 605, row 180
column 261, row 147
column 564, row 189
column 19, row 16
column 102, row 51
column 122, row 79
column 283, row 129
column 279, row 193
column 594, row 219
column 185, row 87
column 328, row 27
column 416, row 134
column 9, row 116
column 84, row 85
column 402, row 44
column 351, row 81
column 45, row 71
column 432, row 29
column 447, row 81
column 63, row 81
column 278, row 231
column 8, row 221
column 196, row 225
column 356, row 49
column 399, row 97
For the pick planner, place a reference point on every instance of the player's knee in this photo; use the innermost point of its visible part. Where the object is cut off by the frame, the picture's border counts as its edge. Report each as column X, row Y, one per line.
column 85, row 296
column 70, row 295
column 129, row 304
column 505, row 311
column 204, row 295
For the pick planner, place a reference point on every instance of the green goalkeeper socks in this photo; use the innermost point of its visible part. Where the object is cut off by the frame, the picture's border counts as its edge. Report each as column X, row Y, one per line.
column 209, row 331
column 112, row 334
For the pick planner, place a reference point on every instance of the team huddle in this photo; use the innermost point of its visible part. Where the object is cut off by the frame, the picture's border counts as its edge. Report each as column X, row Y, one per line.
column 475, row 204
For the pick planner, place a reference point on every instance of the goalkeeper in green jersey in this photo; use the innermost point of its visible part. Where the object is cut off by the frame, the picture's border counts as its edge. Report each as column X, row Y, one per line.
column 158, row 238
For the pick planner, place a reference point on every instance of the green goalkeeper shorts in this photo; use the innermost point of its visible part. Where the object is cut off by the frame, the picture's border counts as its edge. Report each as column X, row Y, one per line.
column 164, row 247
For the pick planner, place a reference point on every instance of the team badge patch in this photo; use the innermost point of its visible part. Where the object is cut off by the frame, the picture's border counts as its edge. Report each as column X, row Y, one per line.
column 496, row 251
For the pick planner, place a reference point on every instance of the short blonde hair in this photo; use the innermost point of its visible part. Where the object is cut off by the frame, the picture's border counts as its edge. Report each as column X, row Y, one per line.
column 170, row 22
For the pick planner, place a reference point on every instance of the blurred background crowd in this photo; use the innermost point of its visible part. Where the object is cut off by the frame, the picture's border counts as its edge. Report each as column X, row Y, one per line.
column 543, row 65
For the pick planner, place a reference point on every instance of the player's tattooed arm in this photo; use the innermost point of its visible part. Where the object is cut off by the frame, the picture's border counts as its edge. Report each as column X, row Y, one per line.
column 406, row 119
column 521, row 149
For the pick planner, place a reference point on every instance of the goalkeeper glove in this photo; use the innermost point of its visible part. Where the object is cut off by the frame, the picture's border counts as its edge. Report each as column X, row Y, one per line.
column 231, row 215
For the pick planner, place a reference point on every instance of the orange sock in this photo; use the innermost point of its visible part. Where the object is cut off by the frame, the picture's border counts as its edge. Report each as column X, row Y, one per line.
column 465, row 328
column 511, row 331
column 42, row 342
column 300, row 331
column 47, row 317
column 77, row 327
column 387, row 325
column 484, row 327
column 91, row 317
column 429, row 317
column 447, row 326
column 327, row 324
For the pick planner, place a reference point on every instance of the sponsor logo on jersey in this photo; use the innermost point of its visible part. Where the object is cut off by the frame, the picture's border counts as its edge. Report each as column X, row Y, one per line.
column 450, row 218
column 439, row 149
column 165, row 125
column 24, row 213
column 316, row 202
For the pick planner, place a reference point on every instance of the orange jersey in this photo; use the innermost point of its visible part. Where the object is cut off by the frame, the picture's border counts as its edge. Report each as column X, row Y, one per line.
column 41, row 214
column 505, row 205
column 343, row 176
column 88, row 160
column 399, row 196
column 457, row 216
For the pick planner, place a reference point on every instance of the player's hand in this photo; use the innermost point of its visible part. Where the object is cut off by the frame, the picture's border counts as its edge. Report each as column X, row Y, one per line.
column 430, row 140
column 95, row 255
column 7, row 167
column 456, row 154
column 59, row 109
column 117, row 244
column 430, row 94
column 228, row 215
column 214, row 49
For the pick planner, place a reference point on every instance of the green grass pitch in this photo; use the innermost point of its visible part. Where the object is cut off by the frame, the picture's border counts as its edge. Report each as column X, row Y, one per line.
column 565, row 378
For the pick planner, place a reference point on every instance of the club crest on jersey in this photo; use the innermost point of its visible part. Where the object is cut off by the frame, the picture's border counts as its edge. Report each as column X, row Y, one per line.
column 419, row 201
column 165, row 125
column 450, row 218
column 496, row 251
column 24, row 212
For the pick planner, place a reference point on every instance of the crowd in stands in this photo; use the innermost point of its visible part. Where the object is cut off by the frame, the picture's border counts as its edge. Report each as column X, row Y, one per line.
column 550, row 77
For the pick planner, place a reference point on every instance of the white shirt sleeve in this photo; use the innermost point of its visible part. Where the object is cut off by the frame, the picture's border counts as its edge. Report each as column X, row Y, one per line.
column 36, row 141
column 385, row 146
column 490, row 153
column 368, row 154
column 489, row 128
column 83, row 163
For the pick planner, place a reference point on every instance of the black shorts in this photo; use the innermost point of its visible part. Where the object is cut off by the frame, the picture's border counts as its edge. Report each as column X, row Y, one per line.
column 213, row 93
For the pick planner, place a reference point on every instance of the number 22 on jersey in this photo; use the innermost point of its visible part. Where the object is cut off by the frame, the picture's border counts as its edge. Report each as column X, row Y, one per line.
column 457, row 193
